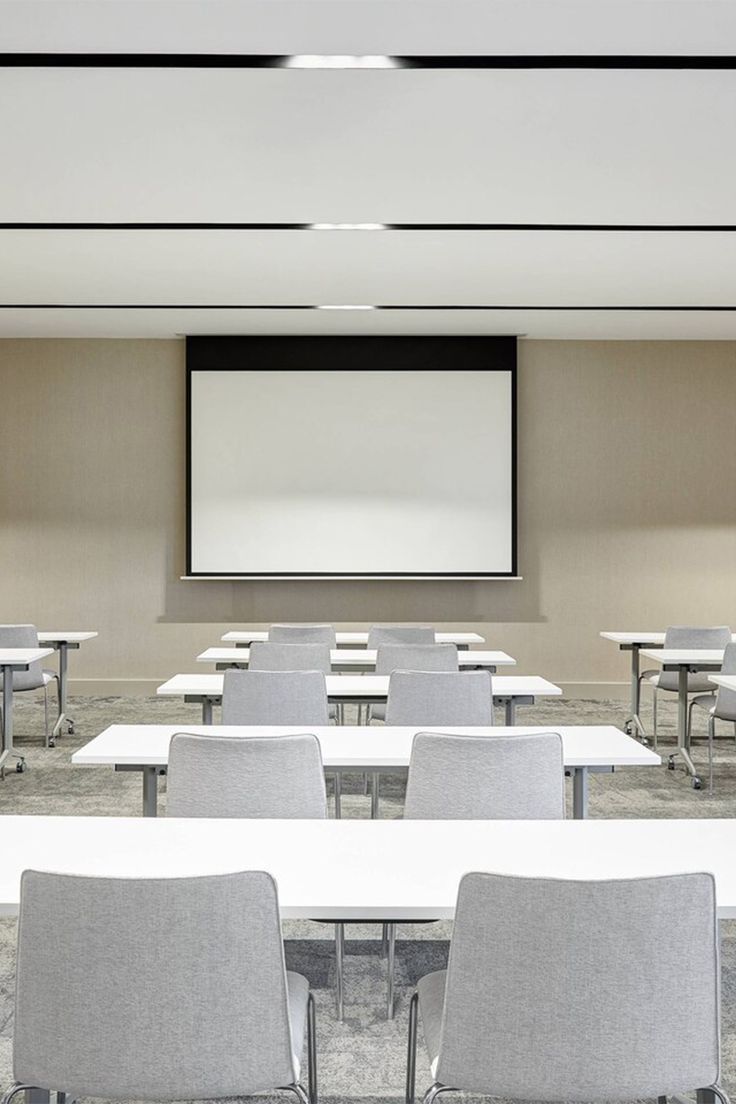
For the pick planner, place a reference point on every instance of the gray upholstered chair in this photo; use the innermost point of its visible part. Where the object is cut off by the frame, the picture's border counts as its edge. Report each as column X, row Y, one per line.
column 35, row 678
column 274, row 698
column 565, row 990
column 452, row 698
column 684, row 636
column 303, row 634
column 270, row 777
column 230, row 776
column 401, row 634
column 411, row 657
column 481, row 778
column 720, row 706
column 266, row 655
column 157, row 989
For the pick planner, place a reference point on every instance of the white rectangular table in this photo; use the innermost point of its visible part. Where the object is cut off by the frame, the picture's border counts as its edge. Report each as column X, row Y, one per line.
column 354, row 639
column 385, row 749
column 14, row 659
column 728, row 682
column 634, row 642
column 685, row 661
column 379, row 870
column 63, row 641
column 508, row 690
column 356, row 659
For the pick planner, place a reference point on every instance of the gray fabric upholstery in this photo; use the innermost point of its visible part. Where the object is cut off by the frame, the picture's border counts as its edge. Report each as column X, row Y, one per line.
column 302, row 634
column 274, row 698
column 266, row 656
column 171, row 988
column 683, row 636
column 24, row 636
column 415, row 657
column 450, row 698
column 230, row 776
column 486, row 777
column 726, row 699
column 400, row 634
column 564, row 990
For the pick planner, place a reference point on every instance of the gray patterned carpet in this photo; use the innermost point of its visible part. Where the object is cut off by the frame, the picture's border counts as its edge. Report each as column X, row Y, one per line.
column 362, row 1059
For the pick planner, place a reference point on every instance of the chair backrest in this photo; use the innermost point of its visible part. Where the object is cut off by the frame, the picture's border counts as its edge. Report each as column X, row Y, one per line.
column 566, row 990
column 302, row 634
column 165, row 989
column 401, row 634
column 274, row 698
column 415, row 657
column 452, row 698
column 486, row 777
column 267, row 656
column 23, row 636
column 725, row 698
column 687, row 636
column 231, row 776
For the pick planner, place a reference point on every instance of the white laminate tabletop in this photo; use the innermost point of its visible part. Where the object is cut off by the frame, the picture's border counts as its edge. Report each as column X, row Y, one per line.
column 59, row 637
column 728, row 682
column 247, row 636
column 368, row 869
column 360, row 657
column 627, row 638
column 360, row 747
column 360, row 686
column 23, row 657
column 684, row 657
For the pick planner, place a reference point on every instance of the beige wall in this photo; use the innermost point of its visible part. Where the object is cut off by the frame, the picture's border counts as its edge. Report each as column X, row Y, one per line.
column 627, row 511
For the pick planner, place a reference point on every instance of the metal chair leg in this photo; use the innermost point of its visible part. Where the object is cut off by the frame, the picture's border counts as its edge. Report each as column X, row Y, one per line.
column 339, row 970
column 312, row 1048
column 711, row 735
column 46, row 733
column 411, row 1050
column 298, row 1091
column 654, row 719
column 689, row 730
column 338, row 795
column 390, row 963
column 434, row 1091
column 720, row 1093
column 374, row 796
column 14, row 1090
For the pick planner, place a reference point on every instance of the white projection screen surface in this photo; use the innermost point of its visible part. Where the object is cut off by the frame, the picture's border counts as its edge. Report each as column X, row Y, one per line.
column 344, row 472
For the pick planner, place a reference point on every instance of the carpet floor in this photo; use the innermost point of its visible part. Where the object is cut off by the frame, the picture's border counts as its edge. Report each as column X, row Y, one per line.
column 363, row 1058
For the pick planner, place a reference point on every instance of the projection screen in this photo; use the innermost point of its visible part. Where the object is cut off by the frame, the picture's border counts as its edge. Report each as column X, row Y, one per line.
column 346, row 471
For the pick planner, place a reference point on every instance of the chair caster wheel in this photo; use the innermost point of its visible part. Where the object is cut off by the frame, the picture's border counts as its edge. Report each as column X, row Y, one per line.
column 697, row 784
column 20, row 766
column 629, row 728
column 70, row 729
column 52, row 743
column 671, row 763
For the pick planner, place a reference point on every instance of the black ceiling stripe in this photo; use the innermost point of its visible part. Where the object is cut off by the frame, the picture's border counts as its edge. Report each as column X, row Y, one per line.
column 398, row 61
column 434, row 227
column 378, row 307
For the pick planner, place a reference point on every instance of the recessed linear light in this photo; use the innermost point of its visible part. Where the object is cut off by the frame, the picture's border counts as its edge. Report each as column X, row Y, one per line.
column 341, row 61
column 348, row 226
column 346, row 306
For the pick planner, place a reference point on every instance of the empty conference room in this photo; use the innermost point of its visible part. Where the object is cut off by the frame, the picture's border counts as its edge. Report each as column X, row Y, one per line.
column 368, row 529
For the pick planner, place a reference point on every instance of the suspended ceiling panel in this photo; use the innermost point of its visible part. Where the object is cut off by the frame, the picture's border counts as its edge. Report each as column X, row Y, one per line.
column 582, row 146
column 507, row 268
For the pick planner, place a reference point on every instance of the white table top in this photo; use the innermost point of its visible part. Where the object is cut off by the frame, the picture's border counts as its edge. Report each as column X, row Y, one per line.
column 360, row 657
column 684, row 657
column 728, row 682
column 23, row 657
column 382, row 869
column 246, row 636
column 627, row 638
column 360, row 747
column 360, row 686
column 61, row 637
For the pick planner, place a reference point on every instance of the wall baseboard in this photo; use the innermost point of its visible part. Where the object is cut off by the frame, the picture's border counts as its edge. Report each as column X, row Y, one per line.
column 146, row 688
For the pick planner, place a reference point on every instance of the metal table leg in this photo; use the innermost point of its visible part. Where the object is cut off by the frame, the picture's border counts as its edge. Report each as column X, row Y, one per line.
column 580, row 793
column 682, row 748
column 62, row 718
column 150, row 791
column 207, row 711
column 510, row 705
column 633, row 724
column 8, row 751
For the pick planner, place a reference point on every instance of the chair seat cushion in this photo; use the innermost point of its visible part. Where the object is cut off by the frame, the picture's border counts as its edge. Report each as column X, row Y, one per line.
column 705, row 701
column 696, row 683
column 431, row 990
column 298, row 993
